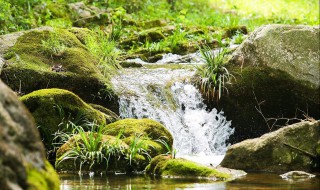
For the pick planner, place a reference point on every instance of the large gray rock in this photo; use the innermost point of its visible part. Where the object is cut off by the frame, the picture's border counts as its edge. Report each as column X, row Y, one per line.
column 277, row 77
column 293, row 49
column 289, row 148
column 22, row 155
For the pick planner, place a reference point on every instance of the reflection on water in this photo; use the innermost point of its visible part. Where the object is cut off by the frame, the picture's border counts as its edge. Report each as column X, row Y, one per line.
column 251, row 181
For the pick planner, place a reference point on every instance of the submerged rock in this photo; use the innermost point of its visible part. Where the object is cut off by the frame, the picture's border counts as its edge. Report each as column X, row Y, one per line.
column 289, row 148
column 165, row 166
column 297, row 175
column 22, row 156
column 277, row 80
column 53, row 108
column 54, row 58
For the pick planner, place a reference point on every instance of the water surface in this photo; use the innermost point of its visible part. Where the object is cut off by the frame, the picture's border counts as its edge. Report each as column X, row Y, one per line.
column 260, row 181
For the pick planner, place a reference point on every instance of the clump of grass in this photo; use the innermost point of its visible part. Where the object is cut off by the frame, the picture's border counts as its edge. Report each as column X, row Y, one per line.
column 104, row 49
column 137, row 147
column 87, row 148
column 213, row 74
column 91, row 148
column 53, row 46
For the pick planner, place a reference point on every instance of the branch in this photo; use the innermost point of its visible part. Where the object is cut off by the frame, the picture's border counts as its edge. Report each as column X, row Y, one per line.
column 300, row 150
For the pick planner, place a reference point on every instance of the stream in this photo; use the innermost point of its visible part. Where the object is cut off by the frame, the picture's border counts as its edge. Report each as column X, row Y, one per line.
column 261, row 181
column 162, row 91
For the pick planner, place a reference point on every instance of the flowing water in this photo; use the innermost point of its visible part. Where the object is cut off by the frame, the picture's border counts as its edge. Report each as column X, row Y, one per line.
column 167, row 96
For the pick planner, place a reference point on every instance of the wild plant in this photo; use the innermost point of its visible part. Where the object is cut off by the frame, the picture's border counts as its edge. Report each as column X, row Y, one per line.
column 86, row 147
column 238, row 38
column 105, row 51
column 169, row 149
column 138, row 146
column 213, row 74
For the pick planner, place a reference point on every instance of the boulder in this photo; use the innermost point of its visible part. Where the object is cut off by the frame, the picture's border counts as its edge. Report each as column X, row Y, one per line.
column 22, row 156
column 54, row 58
column 272, row 88
column 164, row 165
column 289, row 148
column 54, row 108
column 292, row 49
column 133, row 143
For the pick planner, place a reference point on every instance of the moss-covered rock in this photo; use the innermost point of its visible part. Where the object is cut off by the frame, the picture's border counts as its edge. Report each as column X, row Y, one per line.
column 45, row 179
column 51, row 107
column 55, row 58
column 117, row 160
column 149, row 130
column 152, row 23
column 231, row 31
column 289, row 148
column 151, row 35
column 166, row 166
column 22, row 156
column 111, row 116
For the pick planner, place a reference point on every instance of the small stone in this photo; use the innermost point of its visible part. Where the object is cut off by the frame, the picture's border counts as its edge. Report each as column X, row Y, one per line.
column 297, row 175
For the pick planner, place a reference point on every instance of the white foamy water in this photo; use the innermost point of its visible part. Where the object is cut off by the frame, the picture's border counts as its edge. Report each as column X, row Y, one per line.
column 166, row 96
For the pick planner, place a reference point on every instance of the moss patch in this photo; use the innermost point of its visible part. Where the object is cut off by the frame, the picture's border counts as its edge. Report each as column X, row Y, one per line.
column 144, row 128
column 50, row 107
column 46, row 179
column 165, row 166
column 55, row 58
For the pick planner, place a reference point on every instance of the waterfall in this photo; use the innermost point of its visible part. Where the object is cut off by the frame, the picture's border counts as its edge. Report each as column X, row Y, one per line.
column 168, row 97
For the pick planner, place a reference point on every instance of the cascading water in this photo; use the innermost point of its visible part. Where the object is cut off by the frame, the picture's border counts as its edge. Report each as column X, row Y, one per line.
column 166, row 96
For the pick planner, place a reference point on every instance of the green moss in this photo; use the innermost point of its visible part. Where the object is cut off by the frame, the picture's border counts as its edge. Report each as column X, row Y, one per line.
column 145, row 127
column 151, row 35
column 50, row 107
column 46, row 179
column 113, row 117
column 232, row 31
column 165, row 166
column 36, row 54
column 81, row 33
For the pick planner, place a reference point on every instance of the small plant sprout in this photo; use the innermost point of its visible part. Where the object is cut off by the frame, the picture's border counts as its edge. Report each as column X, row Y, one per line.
column 168, row 147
